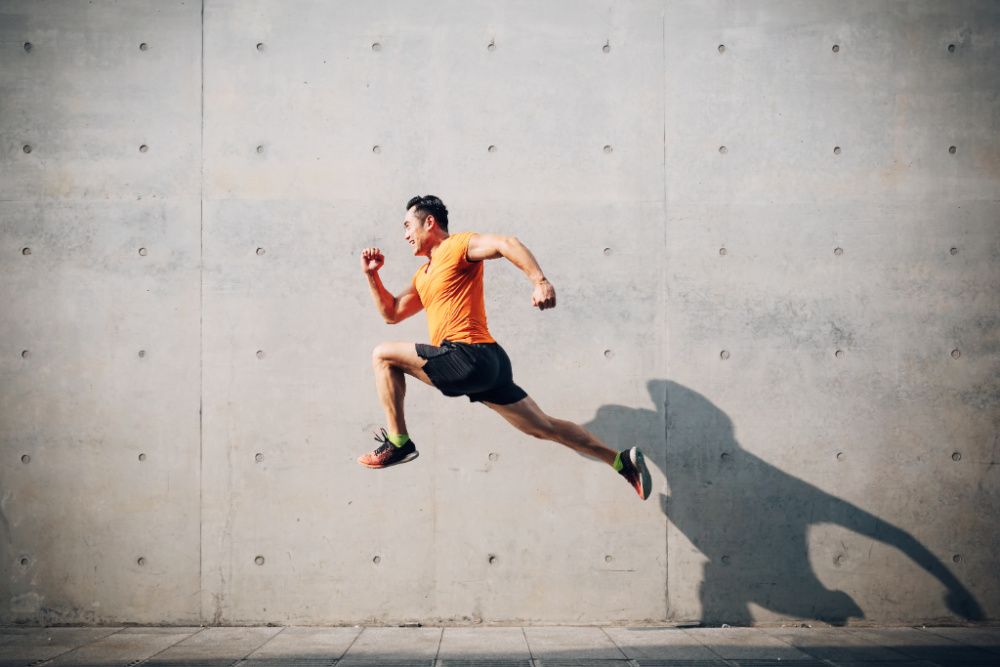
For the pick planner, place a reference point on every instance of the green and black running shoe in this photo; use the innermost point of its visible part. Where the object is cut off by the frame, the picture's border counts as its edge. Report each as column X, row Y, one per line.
column 634, row 470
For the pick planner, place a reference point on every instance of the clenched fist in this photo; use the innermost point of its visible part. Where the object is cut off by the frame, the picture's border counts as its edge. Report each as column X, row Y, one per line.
column 544, row 295
column 371, row 260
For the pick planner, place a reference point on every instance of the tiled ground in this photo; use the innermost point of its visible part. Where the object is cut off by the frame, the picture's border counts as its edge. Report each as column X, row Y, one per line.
column 298, row 646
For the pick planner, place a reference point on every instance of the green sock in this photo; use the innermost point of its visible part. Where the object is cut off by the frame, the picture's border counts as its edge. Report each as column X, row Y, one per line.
column 399, row 439
column 617, row 465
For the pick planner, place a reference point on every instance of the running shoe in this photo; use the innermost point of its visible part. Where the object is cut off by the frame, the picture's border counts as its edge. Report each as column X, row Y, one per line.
column 388, row 454
column 634, row 470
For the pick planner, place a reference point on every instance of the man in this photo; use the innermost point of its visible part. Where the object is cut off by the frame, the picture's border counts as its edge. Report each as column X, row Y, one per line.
column 463, row 359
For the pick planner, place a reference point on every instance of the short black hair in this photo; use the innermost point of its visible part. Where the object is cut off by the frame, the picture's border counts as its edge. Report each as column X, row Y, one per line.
column 429, row 204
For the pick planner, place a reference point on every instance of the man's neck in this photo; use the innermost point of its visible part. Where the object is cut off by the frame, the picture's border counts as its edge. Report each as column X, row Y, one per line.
column 430, row 253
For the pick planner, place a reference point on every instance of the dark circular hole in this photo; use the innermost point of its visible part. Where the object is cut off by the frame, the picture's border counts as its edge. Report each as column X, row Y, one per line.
column 838, row 251
column 952, row 149
column 957, row 456
column 143, row 148
column 26, row 148
column 142, row 457
column 26, row 458
column 260, row 46
column 955, row 354
column 836, row 150
column 28, row 46
column 722, row 48
column 25, row 354
column 954, row 251
column 492, row 149
column 259, row 560
column 144, row 46
column 723, row 251
column 836, row 48
column 376, row 46
column 606, row 48
column 25, row 251
column 951, row 48
column 724, row 354
column 260, row 251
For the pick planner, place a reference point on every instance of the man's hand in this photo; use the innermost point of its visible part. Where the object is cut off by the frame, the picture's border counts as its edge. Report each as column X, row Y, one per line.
column 544, row 295
column 371, row 260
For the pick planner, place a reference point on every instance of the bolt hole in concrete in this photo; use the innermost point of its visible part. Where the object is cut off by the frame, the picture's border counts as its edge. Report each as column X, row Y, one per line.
column 951, row 48
column 954, row 251
column 26, row 148
column 724, row 456
column 260, row 148
column 836, row 48
column 839, row 354
column 259, row 560
column 607, row 47
column 261, row 47
column 609, row 354
column 838, row 560
column 24, row 354
column 258, row 457
column 28, row 46
column 492, row 559
column 722, row 48
column 142, row 354
column 723, row 251
column 608, row 558
column 607, row 252
column 724, row 354
column 27, row 251
column 838, row 251
column 608, row 148
column 24, row 561
column 376, row 560
column 836, row 150
column 260, row 354
column 144, row 148
column 492, row 149
column 143, row 252
column 376, row 149
column 260, row 251
column 144, row 47
column 840, row 456
column 494, row 456
column 492, row 46
column 376, row 46
column 952, row 149
column 957, row 456
column 141, row 561
column 723, row 150
column 955, row 354
column 142, row 457
column 26, row 458
column 725, row 560
column 957, row 558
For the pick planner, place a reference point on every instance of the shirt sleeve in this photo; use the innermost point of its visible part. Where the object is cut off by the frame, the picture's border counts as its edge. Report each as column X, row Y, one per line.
column 461, row 250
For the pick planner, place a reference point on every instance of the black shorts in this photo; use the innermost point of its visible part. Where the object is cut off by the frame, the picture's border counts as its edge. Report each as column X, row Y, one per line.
column 480, row 371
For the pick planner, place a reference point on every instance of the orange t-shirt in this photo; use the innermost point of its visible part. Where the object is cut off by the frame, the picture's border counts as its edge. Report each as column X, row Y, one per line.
column 451, row 290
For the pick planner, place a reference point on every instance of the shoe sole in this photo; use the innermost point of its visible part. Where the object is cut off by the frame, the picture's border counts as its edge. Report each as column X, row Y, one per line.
column 405, row 459
column 639, row 462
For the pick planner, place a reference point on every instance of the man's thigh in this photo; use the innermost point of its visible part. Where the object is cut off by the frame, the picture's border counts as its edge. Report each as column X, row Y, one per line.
column 403, row 355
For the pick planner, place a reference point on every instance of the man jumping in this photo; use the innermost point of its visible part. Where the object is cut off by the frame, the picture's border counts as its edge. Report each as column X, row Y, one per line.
column 463, row 358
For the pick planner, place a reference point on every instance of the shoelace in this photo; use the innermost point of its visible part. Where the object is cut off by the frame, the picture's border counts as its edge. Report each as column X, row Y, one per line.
column 383, row 439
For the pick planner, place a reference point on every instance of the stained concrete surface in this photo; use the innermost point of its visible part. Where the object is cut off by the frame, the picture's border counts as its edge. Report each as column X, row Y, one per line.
column 591, row 646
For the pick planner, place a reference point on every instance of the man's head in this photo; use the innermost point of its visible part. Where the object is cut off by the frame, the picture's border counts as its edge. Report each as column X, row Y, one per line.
column 426, row 223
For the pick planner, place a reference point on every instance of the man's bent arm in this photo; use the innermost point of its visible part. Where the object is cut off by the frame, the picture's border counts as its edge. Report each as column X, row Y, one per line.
column 491, row 246
column 393, row 309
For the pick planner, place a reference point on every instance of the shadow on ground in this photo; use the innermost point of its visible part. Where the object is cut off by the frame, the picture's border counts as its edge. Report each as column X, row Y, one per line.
column 748, row 517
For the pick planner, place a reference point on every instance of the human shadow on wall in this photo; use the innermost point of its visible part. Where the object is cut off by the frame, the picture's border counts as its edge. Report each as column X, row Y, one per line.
column 748, row 517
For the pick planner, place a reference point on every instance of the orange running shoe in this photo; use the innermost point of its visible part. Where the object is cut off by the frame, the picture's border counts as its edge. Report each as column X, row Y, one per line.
column 388, row 454
column 634, row 470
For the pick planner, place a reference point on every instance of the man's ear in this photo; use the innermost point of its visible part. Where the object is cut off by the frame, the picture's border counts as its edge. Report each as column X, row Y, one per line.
column 430, row 219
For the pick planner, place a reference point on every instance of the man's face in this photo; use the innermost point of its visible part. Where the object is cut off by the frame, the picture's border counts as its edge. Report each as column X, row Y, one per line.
column 415, row 232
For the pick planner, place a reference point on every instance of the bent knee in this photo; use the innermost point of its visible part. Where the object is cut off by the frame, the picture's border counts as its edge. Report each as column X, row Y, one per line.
column 381, row 354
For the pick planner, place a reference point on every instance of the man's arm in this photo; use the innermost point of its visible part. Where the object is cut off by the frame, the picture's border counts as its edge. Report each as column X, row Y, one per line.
column 392, row 308
column 491, row 246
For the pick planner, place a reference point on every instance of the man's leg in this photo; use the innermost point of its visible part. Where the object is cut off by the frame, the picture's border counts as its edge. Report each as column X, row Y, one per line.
column 391, row 361
column 529, row 418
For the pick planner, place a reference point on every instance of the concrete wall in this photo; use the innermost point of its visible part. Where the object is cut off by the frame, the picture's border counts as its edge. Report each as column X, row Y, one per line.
column 804, row 339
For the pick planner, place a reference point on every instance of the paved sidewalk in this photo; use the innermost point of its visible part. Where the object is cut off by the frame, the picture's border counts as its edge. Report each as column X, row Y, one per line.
column 538, row 646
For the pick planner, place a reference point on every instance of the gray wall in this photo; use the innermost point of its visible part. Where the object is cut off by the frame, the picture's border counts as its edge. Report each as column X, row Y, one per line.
column 806, row 342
